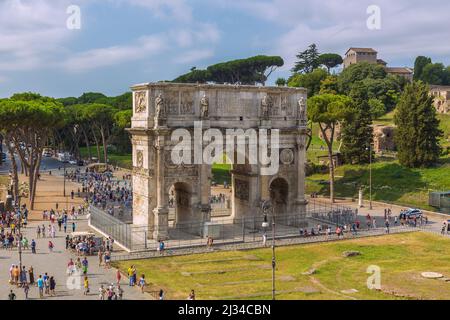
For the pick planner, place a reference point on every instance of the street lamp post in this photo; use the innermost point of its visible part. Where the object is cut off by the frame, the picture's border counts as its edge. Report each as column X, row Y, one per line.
column 19, row 214
column 64, row 166
column 370, row 176
column 266, row 206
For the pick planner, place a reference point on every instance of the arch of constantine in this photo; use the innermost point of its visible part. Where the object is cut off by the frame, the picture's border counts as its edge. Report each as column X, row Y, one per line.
column 161, row 108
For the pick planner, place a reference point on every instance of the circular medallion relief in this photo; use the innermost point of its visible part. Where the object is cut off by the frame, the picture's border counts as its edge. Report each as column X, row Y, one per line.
column 287, row 156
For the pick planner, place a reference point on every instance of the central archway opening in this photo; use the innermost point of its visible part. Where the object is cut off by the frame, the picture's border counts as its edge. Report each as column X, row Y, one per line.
column 180, row 200
column 279, row 195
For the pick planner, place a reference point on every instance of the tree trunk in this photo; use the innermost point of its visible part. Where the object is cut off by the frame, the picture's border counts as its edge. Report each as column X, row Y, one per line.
column 35, row 179
column 86, row 139
column 329, row 141
column 97, row 145
column 14, row 174
column 105, row 145
column 330, row 158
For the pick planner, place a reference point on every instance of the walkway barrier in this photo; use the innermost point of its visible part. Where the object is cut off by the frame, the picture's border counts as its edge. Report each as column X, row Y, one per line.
column 223, row 230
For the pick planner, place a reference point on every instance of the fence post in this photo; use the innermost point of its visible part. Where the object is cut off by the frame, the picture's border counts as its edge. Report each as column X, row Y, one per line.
column 243, row 230
column 145, row 239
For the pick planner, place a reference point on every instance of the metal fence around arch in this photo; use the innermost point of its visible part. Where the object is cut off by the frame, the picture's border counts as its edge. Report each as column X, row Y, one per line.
column 223, row 230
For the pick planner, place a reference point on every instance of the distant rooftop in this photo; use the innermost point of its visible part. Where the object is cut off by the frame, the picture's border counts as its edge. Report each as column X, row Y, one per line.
column 360, row 50
column 439, row 87
column 399, row 70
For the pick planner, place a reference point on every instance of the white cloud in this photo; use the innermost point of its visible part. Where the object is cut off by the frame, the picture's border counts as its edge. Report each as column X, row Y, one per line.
column 166, row 9
column 408, row 28
column 194, row 55
column 30, row 31
column 33, row 35
column 150, row 45
column 103, row 57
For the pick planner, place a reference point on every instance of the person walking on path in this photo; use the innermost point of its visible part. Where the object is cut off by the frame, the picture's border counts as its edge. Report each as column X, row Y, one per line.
column 118, row 277
column 33, row 246
column 86, row 285
column 50, row 246
column 12, row 296
column 107, row 260
column 40, row 285
column 130, row 276
column 26, row 289
column 31, row 275
column 142, row 283
column 85, row 264
column 52, row 286
column 100, row 258
column 73, row 226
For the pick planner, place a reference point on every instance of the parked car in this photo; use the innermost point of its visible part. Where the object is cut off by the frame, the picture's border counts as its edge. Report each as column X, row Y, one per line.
column 73, row 162
column 80, row 163
column 413, row 213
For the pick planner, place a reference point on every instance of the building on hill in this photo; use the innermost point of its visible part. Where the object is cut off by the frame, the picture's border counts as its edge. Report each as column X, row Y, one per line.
column 357, row 55
column 441, row 96
column 406, row 73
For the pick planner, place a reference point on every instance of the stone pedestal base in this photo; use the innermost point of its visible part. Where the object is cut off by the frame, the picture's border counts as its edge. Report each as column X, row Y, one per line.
column 265, row 124
column 159, row 123
column 161, row 227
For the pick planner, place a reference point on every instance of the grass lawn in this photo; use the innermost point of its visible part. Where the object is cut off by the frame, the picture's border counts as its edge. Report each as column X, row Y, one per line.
column 391, row 182
column 247, row 274
column 122, row 160
column 221, row 173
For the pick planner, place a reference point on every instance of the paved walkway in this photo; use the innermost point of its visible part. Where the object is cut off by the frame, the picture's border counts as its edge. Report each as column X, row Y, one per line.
column 49, row 192
column 55, row 265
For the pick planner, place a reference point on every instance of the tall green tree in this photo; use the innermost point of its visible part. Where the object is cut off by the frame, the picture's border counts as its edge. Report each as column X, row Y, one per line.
column 121, row 138
column 419, row 64
column 311, row 81
column 281, row 82
column 327, row 110
column 359, row 72
column 357, row 131
column 434, row 73
column 330, row 60
column 29, row 120
column 417, row 135
column 307, row 61
column 251, row 70
column 101, row 117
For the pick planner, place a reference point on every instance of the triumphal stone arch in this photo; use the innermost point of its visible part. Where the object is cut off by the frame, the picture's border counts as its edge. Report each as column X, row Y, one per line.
column 162, row 109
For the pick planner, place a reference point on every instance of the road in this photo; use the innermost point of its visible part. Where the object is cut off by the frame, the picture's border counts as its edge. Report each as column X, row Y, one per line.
column 46, row 164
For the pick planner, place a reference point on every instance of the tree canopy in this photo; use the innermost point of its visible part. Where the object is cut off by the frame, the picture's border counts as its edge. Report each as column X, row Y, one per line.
column 307, row 61
column 417, row 135
column 311, row 81
column 330, row 60
column 251, row 70
column 431, row 73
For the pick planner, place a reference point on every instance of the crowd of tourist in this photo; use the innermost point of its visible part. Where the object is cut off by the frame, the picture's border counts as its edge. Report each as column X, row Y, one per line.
column 102, row 190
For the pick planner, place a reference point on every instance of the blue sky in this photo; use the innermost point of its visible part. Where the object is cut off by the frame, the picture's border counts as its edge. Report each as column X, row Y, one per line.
column 124, row 42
